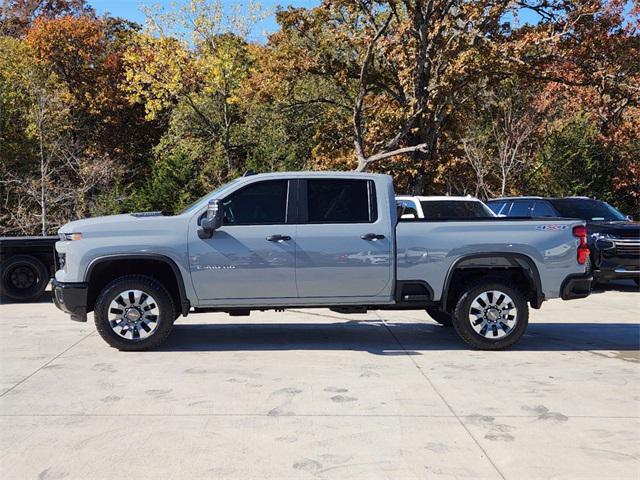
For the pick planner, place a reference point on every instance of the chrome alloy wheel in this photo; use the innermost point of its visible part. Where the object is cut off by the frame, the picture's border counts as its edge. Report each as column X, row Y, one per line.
column 133, row 314
column 493, row 314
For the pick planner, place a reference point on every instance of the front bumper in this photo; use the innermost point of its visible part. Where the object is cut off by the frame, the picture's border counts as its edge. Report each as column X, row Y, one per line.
column 576, row 286
column 71, row 298
column 618, row 272
column 616, row 258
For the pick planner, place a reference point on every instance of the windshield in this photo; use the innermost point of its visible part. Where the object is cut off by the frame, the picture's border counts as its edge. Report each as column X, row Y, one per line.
column 584, row 209
column 454, row 209
column 205, row 198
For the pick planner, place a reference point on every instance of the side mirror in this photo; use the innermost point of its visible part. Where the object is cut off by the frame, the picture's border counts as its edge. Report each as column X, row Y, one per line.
column 629, row 218
column 212, row 220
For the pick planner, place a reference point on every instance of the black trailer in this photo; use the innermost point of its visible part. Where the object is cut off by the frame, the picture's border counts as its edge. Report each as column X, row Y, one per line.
column 26, row 266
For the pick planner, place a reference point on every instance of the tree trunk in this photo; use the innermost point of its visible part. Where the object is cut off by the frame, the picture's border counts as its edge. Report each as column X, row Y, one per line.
column 43, row 173
column 227, row 133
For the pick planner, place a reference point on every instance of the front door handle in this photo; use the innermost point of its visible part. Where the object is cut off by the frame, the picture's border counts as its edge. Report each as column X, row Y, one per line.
column 372, row 236
column 278, row 238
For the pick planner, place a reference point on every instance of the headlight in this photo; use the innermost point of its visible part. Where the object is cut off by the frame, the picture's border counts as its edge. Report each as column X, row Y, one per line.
column 604, row 241
column 70, row 236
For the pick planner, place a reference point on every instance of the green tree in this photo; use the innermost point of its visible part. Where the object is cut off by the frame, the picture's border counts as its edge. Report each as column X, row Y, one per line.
column 574, row 161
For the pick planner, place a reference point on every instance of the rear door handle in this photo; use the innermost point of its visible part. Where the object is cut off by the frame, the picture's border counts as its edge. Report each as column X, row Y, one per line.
column 278, row 238
column 372, row 236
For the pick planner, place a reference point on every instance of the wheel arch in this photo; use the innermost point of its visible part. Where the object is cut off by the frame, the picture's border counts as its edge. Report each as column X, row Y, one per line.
column 102, row 270
column 494, row 262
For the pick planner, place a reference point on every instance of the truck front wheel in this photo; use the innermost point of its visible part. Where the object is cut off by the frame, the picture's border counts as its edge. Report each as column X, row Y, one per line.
column 134, row 312
column 491, row 315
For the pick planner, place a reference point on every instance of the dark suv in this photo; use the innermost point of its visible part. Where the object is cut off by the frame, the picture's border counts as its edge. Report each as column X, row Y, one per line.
column 613, row 238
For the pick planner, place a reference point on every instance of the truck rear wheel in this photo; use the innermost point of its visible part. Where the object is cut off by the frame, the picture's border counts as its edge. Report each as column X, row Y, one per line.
column 443, row 318
column 491, row 315
column 134, row 313
column 23, row 278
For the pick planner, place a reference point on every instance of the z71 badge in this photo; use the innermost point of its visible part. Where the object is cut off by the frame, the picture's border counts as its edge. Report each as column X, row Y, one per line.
column 552, row 227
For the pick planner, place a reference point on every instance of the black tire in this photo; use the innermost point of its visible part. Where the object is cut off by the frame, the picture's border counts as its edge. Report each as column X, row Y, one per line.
column 588, row 269
column 443, row 318
column 23, row 278
column 163, row 323
column 464, row 328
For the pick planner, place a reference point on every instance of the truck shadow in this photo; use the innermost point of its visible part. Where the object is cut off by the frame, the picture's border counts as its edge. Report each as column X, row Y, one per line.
column 398, row 339
column 44, row 298
column 615, row 286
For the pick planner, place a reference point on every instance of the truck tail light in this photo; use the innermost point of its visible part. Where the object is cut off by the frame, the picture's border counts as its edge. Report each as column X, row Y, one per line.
column 583, row 251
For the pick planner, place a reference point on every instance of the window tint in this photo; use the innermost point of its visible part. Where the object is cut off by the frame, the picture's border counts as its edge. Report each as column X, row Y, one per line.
column 262, row 203
column 587, row 209
column 454, row 209
column 520, row 209
column 341, row 201
column 496, row 207
column 543, row 209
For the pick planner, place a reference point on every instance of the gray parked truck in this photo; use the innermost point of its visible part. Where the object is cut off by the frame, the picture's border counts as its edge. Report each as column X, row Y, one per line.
column 321, row 239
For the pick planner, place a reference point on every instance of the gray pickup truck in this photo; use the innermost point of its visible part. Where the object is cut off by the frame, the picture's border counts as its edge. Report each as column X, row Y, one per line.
column 313, row 239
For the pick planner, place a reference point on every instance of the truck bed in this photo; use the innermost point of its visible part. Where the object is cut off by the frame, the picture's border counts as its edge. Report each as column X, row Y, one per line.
column 429, row 249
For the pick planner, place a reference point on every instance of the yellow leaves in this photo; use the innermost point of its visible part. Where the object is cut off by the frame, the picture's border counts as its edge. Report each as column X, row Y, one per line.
column 157, row 72
column 162, row 66
column 225, row 66
column 21, row 76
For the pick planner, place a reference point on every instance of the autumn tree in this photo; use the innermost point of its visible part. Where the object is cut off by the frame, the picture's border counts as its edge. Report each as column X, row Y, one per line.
column 85, row 132
column 48, row 172
column 398, row 76
column 591, row 75
column 99, row 115
column 164, row 71
column 402, row 69
column 17, row 16
column 86, row 54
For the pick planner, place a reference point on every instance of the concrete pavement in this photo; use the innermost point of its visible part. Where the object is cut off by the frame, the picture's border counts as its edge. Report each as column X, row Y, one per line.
column 315, row 394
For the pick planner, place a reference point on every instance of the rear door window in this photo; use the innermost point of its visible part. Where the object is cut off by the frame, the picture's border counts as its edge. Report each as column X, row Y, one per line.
column 543, row 209
column 341, row 201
